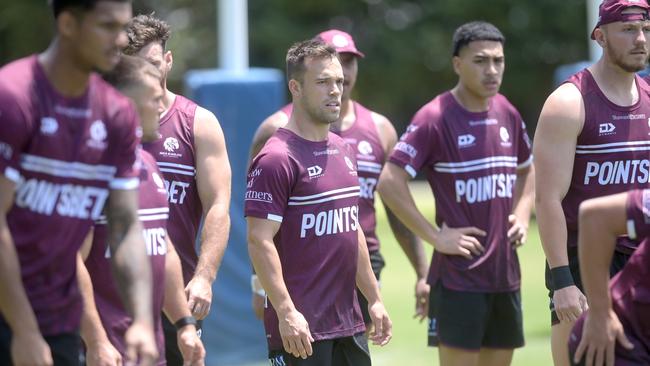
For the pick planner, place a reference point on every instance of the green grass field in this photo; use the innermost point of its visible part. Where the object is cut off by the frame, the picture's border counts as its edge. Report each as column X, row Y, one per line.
column 408, row 346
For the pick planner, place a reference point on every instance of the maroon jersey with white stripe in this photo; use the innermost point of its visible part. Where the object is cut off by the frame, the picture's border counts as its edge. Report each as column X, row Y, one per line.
column 153, row 212
column 611, row 150
column 363, row 138
column 471, row 162
column 176, row 157
column 311, row 188
column 64, row 155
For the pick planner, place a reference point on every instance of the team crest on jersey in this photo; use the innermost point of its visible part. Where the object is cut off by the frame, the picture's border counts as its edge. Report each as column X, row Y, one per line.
column 171, row 144
column 49, row 126
column 364, row 147
column 98, row 135
column 505, row 137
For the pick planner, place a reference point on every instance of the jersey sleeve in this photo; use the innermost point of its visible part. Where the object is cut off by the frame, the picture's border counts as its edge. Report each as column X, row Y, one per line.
column 14, row 135
column 524, row 153
column 127, row 156
column 638, row 214
column 270, row 179
column 412, row 151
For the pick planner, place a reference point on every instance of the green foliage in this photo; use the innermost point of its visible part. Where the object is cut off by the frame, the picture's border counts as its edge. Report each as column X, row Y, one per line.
column 407, row 43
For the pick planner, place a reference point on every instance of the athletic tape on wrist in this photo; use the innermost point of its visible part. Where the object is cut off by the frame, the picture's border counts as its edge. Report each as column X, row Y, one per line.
column 562, row 277
column 184, row 321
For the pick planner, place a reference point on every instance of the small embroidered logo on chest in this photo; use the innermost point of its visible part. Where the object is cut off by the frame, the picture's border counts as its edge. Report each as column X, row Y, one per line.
column 466, row 140
column 605, row 129
column 505, row 137
column 98, row 135
column 171, row 144
column 364, row 147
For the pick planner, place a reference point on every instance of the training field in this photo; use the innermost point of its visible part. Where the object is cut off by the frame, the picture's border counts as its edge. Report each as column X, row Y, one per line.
column 408, row 347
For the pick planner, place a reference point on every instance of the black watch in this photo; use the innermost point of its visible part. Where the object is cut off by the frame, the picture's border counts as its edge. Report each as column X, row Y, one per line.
column 184, row 321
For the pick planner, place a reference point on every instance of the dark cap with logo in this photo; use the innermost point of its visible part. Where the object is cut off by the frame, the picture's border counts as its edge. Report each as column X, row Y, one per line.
column 611, row 11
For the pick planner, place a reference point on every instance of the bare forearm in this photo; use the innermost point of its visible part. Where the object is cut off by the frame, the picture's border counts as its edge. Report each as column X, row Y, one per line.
column 266, row 262
column 410, row 244
column 14, row 304
column 131, row 266
column 524, row 195
column 552, row 231
column 596, row 260
column 92, row 330
column 214, row 239
column 365, row 278
column 175, row 305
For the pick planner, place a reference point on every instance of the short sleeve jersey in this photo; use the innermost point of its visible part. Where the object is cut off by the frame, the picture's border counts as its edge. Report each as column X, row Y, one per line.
column 363, row 138
column 611, row 151
column 153, row 212
column 311, row 188
column 176, row 157
column 471, row 161
column 64, row 155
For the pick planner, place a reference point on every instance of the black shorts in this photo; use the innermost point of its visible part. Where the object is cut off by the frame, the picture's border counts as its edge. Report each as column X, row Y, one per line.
column 65, row 348
column 377, row 263
column 348, row 351
column 475, row 320
column 172, row 353
column 618, row 261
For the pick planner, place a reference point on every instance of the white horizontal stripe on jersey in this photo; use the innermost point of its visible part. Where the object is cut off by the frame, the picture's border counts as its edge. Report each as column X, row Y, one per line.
column 368, row 164
column 368, row 169
column 525, row 163
column 177, row 166
column 614, row 144
column 327, row 193
column 176, row 171
column 476, row 161
column 613, row 150
column 154, row 217
column 124, row 183
column 148, row 211
column 273, row 217
column 61, row 164
column 497, row 164
column 321, row 200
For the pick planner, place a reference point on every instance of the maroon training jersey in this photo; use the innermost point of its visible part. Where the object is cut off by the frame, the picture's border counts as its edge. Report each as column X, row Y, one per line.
column 611, row 152
column 471, row 162
column 153, row 212
column 630, row 288
column 311, row 188
column 64, row 155
column 176, row 158
column 363, row 138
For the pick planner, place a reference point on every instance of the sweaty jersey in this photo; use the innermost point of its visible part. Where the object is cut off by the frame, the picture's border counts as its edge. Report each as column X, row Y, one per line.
column 64, row 154
column 471, row 161
column 153, row 212
column 364, row 140
column 176, row 157
column 611, row 150
column 311, row 188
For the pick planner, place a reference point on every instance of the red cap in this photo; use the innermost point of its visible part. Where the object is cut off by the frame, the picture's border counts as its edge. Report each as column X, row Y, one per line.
column 341, row 41
column 611, row 11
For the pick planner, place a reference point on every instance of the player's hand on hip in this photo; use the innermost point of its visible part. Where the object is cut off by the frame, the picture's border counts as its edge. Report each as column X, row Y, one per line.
column 190, row 346
column 29, row 348
column 569, row 303
column 102, row 353
column 599, row 337
column 460, row 241
column 382, row 330
column 258, row 306
column 199, row 297
column 518, row 232
column 296, row 337
column 140, row 345
column 422, row 290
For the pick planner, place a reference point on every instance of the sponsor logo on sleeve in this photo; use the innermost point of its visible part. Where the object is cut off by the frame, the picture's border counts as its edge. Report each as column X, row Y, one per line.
column 410, row 129
column 408, row 149
column 315, row 171
column 465, row 141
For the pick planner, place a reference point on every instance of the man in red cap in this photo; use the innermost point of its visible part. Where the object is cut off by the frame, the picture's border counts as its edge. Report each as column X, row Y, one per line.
column 599, row 118
column 372, row 136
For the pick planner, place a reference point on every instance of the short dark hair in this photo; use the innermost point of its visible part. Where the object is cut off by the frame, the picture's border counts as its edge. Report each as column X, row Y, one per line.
column 59, row 6
column 298, row 52
column 475, row 31
column 130, row 72
column 145, row 29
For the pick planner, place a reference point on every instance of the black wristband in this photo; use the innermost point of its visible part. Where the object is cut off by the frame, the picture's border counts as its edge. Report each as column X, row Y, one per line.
column 182, row 322
column 562, row 277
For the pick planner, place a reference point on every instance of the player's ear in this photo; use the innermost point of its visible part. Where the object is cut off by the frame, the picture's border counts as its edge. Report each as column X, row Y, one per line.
column 600, row 36
column 294, row 87
column 67, row 24
column 455, row 62
column 169, row 60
